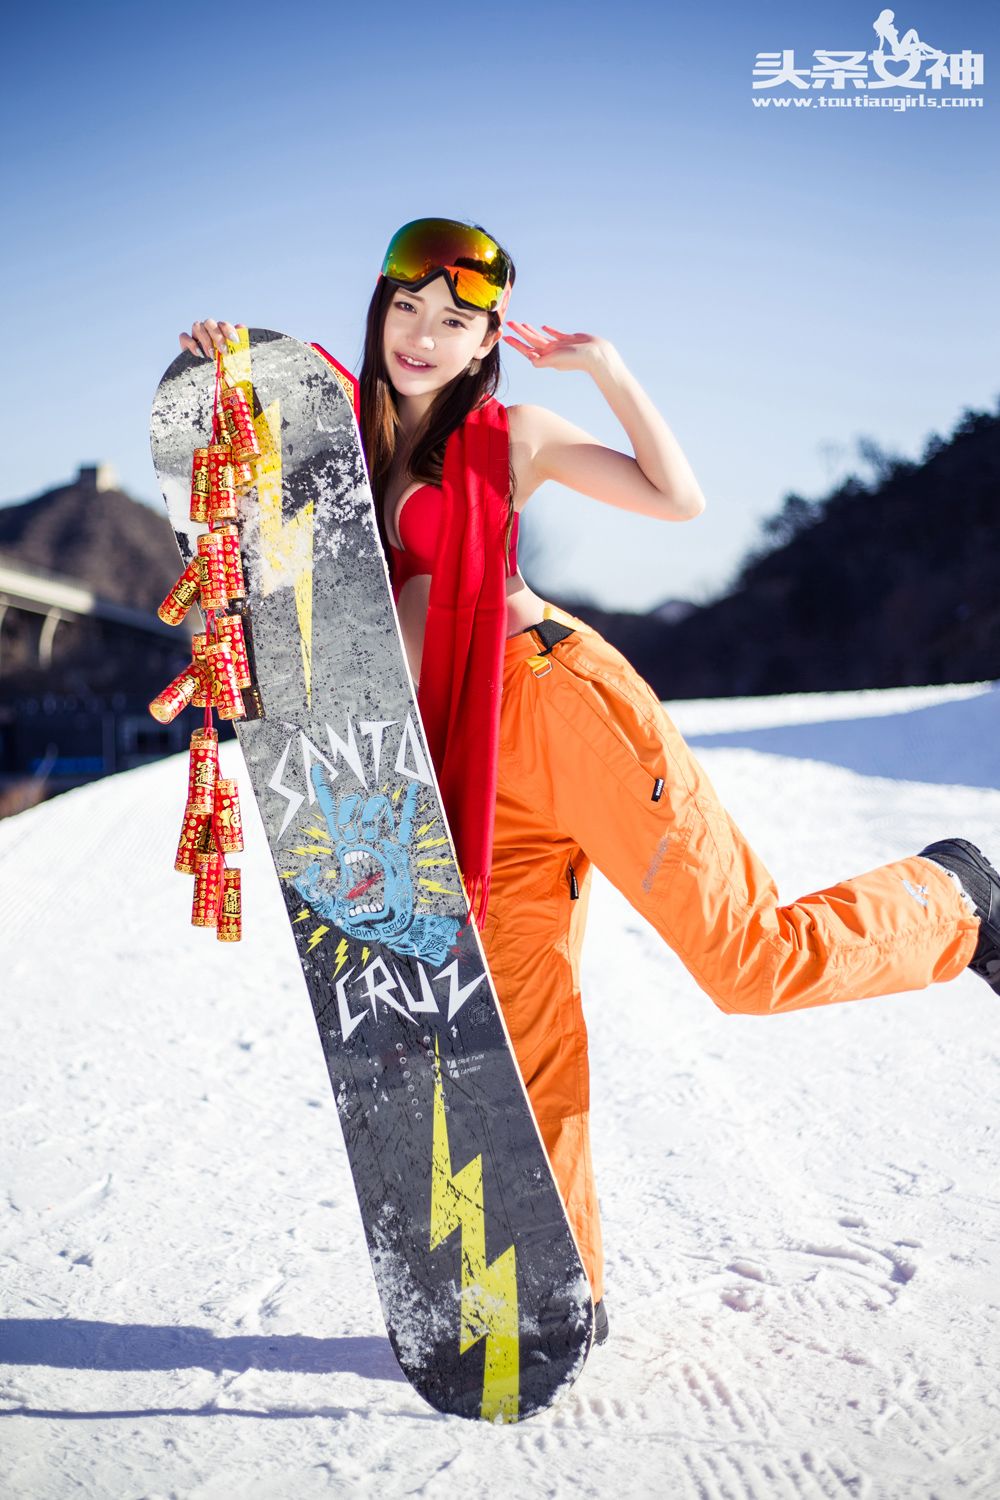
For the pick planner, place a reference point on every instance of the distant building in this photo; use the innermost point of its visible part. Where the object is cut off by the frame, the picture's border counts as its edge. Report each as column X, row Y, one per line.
column 97, row 477
column 82, row 650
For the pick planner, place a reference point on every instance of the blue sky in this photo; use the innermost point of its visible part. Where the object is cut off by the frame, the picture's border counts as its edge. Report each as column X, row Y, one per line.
column 781, row 281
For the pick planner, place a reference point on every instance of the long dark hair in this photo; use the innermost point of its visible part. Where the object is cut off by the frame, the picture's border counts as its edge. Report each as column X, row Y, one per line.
column 380, row 424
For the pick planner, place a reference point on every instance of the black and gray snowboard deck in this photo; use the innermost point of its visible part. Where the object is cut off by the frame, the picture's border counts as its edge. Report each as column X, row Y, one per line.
column 486, row 1302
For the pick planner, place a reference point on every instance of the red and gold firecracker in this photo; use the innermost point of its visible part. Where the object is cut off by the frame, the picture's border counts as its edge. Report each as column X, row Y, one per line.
column 243, row 474
column 226, row 693
column 227, row 822
column 230, row 630
column 230, row 924
column 181, row 597
column 196, row 838
column 212, row 571
column 207, row 889
column 200, row 485
column 175, row 696
column 238, row 418
column 203, row 692
column 232, row 562
column 203, row 770
column 222, row 480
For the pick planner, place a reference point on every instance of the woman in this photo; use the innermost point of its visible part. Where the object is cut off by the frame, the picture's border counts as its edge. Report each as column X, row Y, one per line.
column 551, row 752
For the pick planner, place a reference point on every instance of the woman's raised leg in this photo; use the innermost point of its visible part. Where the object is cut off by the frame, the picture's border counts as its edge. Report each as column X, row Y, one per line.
column 627, row 789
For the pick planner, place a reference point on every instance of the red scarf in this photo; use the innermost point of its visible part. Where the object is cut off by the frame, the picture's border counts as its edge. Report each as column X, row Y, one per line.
column 461, row 670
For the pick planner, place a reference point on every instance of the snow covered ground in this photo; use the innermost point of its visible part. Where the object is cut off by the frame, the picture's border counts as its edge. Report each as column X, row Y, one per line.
column 801, row 1213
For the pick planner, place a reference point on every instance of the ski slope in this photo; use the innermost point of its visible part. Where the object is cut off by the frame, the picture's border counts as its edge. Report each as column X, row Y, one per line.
column 801, row 1212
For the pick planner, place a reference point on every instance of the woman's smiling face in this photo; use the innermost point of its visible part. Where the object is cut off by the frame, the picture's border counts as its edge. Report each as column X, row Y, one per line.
column 430, row 327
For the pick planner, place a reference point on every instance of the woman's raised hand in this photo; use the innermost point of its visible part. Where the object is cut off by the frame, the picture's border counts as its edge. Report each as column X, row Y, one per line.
column 207, row 336
column 559, row 351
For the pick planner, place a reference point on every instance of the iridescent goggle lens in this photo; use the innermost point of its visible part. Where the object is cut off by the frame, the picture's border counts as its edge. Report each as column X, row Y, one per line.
column 477, row 268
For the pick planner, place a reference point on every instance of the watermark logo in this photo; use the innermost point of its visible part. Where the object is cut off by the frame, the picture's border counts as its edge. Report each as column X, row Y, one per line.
column 919, row 73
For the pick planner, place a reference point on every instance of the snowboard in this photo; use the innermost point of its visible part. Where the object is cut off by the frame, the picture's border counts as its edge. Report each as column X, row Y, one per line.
column 486, row 1302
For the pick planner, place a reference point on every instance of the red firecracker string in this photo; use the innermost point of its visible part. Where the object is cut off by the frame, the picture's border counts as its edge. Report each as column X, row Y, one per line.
column 166, row 705
column 211, row 632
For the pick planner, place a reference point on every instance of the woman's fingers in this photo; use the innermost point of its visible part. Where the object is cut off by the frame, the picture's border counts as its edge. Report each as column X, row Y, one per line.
column 207, row 336
column 531, row 333
column 216, row 335
column 520, row 347
column 203, row 338
column 536, row 333
column 550, row 338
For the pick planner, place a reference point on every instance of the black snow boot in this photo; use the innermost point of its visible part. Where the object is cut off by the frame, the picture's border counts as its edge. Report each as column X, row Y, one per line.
column 982, row 882
column 600, row 1323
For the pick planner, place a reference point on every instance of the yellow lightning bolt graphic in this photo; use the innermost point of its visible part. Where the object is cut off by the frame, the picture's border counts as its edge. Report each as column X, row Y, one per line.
column 286, row 546
column 489, row 1292
column 314, row 937
column 341, row 956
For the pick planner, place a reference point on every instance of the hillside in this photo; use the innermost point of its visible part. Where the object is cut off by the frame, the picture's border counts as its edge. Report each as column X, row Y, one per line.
column 93, row 532
column 75, row 687
column 887, row 584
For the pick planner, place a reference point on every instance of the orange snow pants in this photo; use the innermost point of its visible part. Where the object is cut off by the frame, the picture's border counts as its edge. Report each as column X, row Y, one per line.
column 593, row 771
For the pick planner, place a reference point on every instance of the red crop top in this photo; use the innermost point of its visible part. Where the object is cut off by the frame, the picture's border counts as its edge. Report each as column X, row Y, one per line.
column 418, row 531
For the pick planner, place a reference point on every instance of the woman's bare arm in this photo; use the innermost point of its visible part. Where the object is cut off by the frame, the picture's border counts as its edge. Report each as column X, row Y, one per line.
column 658, row 481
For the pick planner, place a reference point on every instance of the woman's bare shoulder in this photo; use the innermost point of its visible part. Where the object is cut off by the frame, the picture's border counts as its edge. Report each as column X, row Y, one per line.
column 533, row 426
column 524, row 421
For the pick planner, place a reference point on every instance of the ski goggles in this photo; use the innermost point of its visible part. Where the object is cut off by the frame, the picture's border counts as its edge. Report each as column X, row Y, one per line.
column 478, row 270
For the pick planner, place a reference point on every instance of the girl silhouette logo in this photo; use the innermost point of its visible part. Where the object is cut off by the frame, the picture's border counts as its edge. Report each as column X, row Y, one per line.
column 910, row 46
